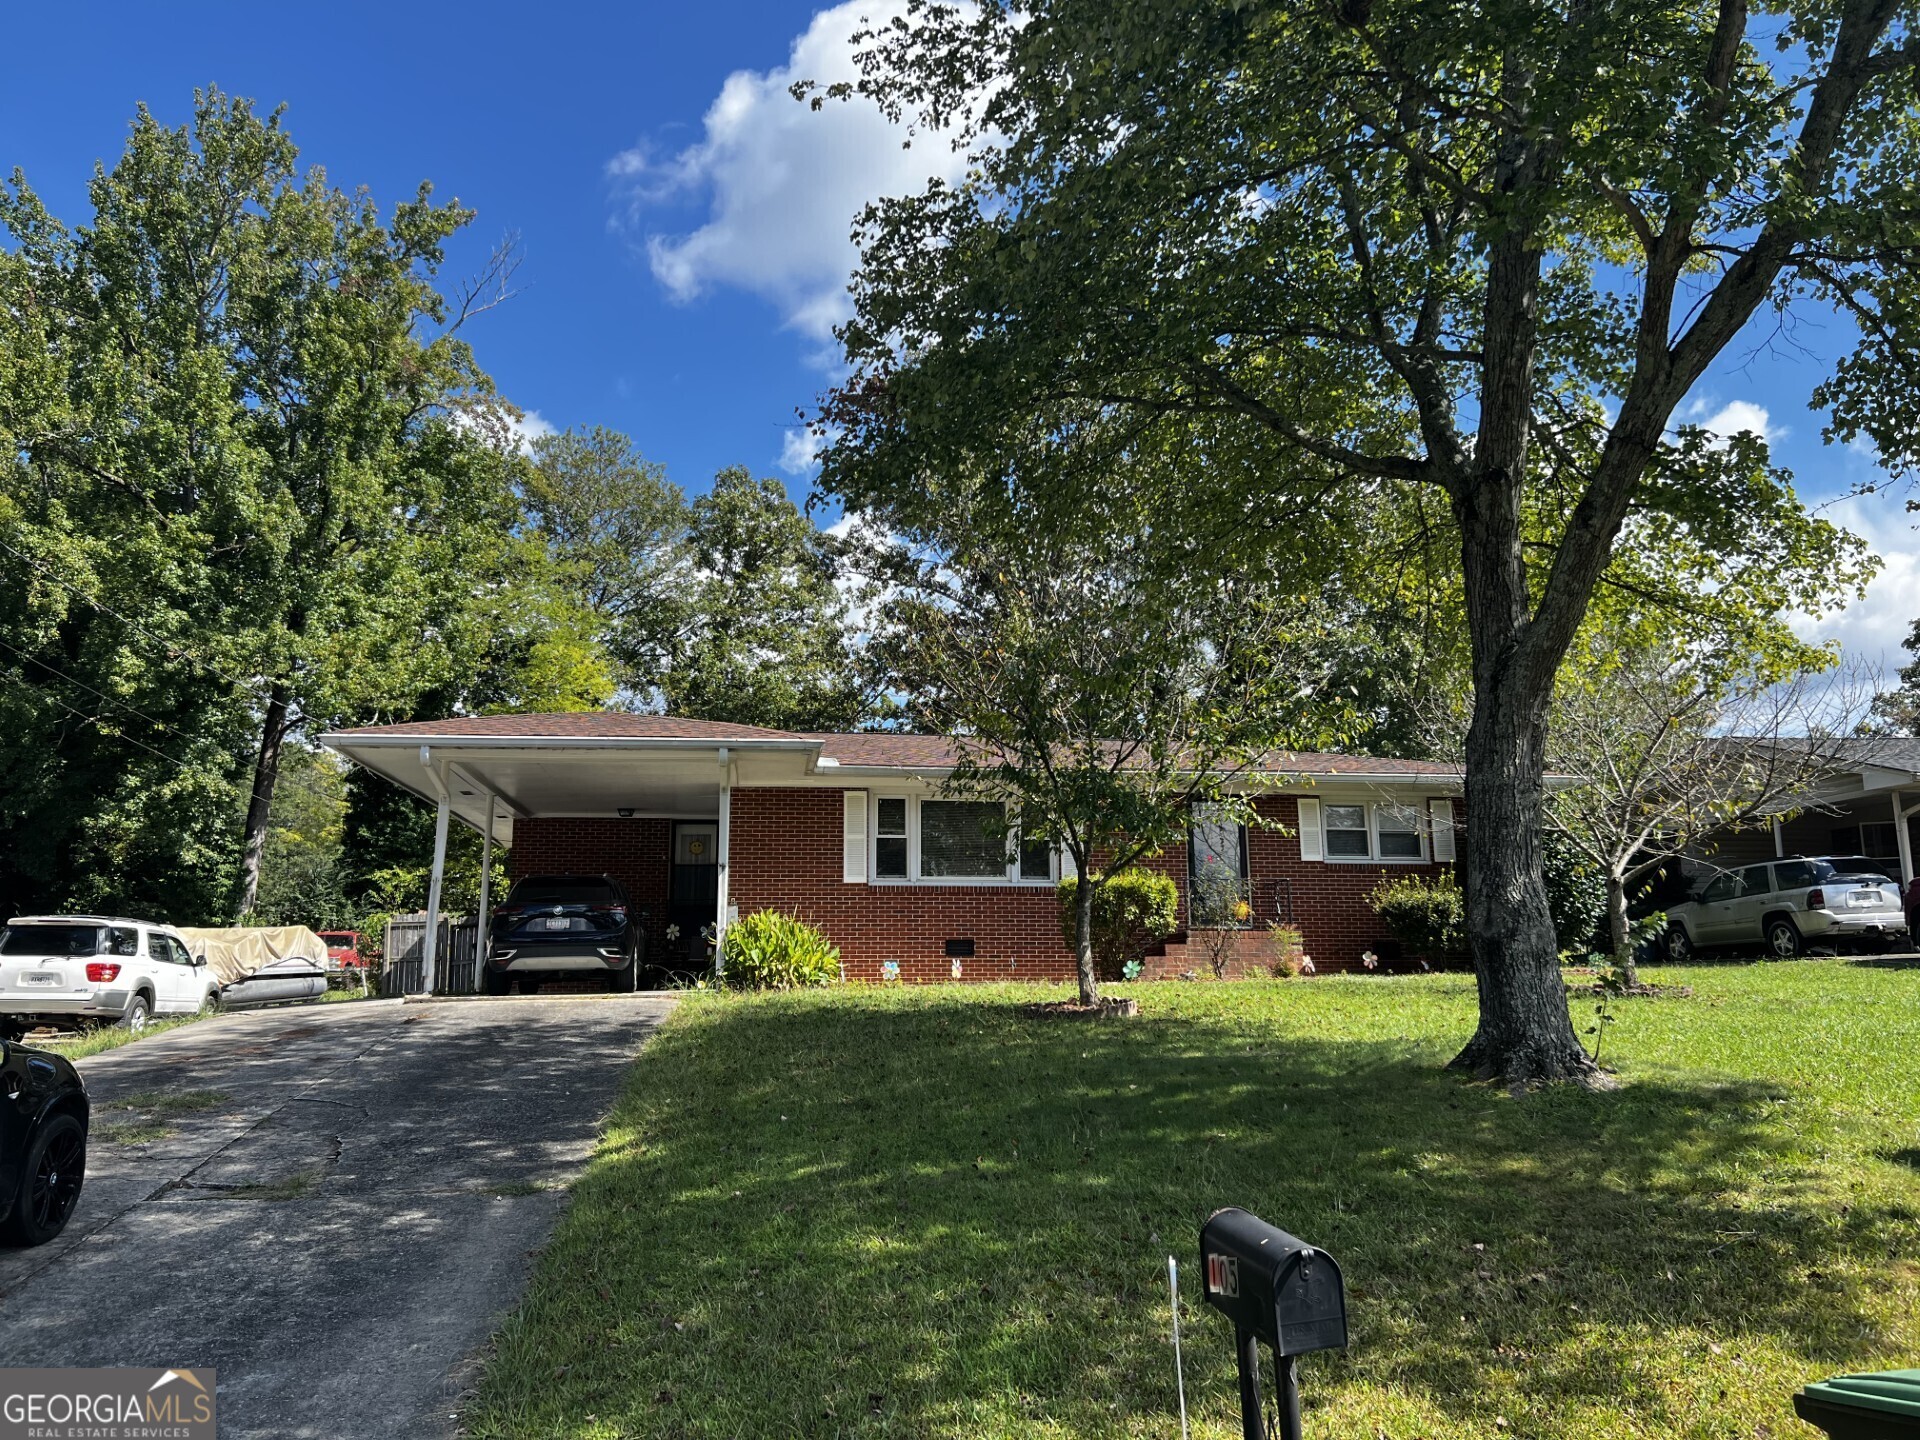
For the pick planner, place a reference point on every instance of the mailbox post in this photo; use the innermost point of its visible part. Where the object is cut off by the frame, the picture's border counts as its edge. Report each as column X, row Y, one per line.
column 1278, row 1291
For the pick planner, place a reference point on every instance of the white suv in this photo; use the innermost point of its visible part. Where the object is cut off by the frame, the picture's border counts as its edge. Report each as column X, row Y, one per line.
column 69, row 970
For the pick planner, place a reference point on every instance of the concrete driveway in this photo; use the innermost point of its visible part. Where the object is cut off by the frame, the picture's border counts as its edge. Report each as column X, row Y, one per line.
column 339, row 1228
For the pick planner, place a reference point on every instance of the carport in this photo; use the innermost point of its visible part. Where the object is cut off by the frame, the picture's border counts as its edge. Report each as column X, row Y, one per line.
column 489, row 772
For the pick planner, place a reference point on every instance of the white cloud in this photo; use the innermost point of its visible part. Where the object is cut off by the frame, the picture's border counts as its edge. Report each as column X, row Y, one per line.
column 783, row 182
column 531, row 426
column 1871, row 628
column 1733, row 418
column 800, row 451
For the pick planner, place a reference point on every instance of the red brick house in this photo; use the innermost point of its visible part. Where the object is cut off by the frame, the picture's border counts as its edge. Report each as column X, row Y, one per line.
column 702, row 822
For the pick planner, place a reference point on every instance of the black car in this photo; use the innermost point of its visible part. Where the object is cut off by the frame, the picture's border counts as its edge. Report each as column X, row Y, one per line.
column 564, row 927
column 43, row 1143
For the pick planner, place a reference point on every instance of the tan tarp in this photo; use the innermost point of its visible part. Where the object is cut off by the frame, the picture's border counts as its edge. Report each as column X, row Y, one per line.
column 234, row 954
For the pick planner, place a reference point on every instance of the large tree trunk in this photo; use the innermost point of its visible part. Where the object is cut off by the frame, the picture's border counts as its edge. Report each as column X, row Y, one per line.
column 1526, row 1033
column 266, row 773
column 1083, row 936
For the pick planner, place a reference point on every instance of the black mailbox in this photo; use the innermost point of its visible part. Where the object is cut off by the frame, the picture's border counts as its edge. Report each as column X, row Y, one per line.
column 1273, row 1285
column 1276, row 1289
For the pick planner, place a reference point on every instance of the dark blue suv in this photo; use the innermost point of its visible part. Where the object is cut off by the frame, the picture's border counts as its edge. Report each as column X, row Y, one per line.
column 564, row 927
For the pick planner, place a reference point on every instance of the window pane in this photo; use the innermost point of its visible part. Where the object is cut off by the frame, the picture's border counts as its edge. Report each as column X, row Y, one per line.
column 562, row 890
column 51, row 940
column 892, row 817
column 1754, row 880
column 1036, row 860
column 890, row 857
column 1399, row 832
column 963, row 838
column 157, row 949
column 1796, row 875
column 1346, row 830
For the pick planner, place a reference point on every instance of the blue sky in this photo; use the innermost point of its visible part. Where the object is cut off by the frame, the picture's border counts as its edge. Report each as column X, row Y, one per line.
column 684, row 221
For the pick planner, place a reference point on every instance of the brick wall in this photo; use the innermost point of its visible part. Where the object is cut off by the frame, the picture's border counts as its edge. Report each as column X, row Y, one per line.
column 786, row 855
column 634, row 852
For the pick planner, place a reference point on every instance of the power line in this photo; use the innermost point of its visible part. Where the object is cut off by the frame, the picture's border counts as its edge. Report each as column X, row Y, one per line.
column 238, row 788
column 174, row 648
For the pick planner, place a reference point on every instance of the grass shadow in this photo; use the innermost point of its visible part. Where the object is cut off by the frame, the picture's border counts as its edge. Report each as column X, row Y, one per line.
column 931, row 1214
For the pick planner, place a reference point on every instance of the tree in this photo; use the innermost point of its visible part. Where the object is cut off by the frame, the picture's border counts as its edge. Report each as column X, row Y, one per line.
column 1668, row 750
column 617, row 527
column 261, row 375
column 757, row 632
column 1091, row 687
column 1481, row 252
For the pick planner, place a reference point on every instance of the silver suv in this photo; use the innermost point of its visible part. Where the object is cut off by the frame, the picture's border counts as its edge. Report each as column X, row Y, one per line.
column 1785, row 905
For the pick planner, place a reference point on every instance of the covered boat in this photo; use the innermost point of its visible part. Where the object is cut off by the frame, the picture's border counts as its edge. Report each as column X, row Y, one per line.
column 262, row 964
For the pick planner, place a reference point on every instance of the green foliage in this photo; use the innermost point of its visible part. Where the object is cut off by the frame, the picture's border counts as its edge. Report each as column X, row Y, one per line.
column 754, row 631
column 1576, row 893
column 302, row 880
column 617, row 529
column 1133, row 910
column 254, row 484
column 768, row 950
column 1427, row 914
column 1334, row 256
column 1290, row 958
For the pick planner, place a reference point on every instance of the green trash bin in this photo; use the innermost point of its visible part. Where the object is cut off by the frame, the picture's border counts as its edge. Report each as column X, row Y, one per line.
column 1881, row 1406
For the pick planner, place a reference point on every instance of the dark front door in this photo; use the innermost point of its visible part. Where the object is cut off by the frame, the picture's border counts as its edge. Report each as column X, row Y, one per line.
column 1216, row 870
column 696, row 883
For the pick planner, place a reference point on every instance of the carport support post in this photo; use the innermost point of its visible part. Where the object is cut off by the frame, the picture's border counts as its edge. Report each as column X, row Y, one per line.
column 430, row 941
column 480, row 921
column 1903, row 841
column 723, row 841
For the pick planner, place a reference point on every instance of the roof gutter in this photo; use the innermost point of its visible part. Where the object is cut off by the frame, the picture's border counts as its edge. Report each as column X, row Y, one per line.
column 347, row 740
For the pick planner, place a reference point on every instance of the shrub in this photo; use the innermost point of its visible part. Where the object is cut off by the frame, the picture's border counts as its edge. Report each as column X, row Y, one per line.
column 1133, row 910
column 1427, row 916
column 1289, row 950
column 771, row 951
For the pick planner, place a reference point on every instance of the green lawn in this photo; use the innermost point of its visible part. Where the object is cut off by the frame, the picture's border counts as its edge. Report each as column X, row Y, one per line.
column 923, row 1213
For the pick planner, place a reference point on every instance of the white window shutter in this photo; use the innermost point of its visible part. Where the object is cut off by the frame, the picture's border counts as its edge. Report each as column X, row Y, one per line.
column 853, row 849
column 1310, row 846
column 1442, row 813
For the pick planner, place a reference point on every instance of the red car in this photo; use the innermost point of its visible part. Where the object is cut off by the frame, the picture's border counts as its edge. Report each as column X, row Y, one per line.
column 343, row 950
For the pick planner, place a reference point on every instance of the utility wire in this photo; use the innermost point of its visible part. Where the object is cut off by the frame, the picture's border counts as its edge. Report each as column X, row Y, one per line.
column 174, row 648
column 237, row 787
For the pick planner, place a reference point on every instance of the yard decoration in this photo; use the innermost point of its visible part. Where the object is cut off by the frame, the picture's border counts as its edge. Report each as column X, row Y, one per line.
column 1456, row 271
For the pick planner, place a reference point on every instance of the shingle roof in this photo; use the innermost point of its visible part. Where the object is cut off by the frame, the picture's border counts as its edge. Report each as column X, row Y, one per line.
column 584, row 725
column 936, row 752
column 884, row 749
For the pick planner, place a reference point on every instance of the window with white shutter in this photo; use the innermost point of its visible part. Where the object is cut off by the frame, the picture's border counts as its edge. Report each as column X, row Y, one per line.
column 1310, row 846
column 1442, row 812
column 853, row 833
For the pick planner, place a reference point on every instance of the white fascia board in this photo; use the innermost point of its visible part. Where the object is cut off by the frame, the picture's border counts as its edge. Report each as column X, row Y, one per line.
column 347, row 741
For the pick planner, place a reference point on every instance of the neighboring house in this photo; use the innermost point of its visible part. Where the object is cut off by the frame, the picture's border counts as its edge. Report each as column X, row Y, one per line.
column 1866, row 804
column 703, row 821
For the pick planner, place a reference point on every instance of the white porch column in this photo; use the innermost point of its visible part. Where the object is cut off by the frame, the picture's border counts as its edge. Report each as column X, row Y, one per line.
column 430, row 942
column 1779, row 839
column 723, row 841
column 1900, row 839
column 481, row 919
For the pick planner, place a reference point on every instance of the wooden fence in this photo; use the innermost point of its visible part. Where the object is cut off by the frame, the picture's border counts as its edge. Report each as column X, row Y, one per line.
column 454, row 970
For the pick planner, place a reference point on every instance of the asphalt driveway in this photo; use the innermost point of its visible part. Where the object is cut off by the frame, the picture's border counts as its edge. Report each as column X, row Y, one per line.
column 340, row 1225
